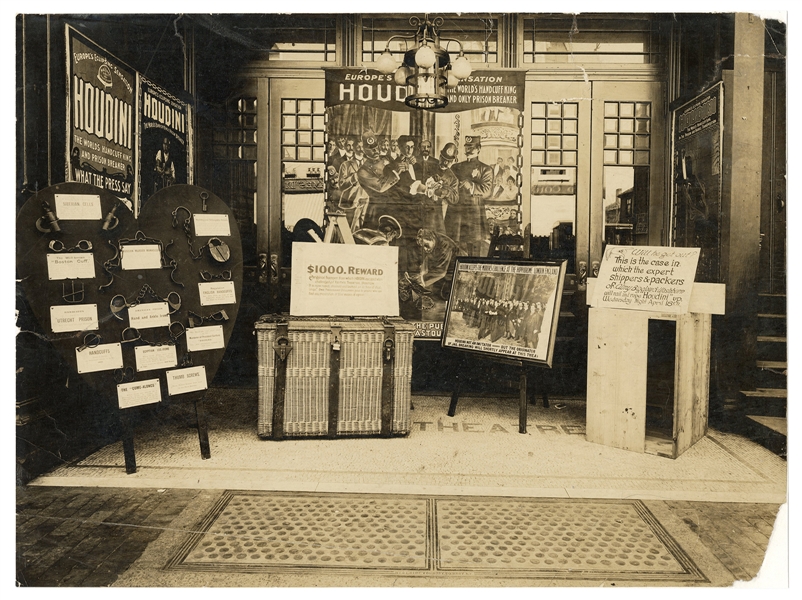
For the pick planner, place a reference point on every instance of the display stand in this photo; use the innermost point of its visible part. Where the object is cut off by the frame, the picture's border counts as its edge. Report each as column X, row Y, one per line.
column 116, row 297
column 522, row 392
column 617, row 373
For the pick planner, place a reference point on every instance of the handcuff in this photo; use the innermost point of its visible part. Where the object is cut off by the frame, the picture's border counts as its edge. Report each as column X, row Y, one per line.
column 224, row 275
column 131, row 335
column 218, row 249
column 91, row 340
column 196, row 320
column 81, row 246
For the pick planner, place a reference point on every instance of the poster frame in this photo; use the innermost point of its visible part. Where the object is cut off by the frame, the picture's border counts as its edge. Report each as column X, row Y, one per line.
column 496, row 269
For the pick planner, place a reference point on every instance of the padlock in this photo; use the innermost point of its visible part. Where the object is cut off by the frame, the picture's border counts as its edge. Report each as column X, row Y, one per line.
column 219, row 250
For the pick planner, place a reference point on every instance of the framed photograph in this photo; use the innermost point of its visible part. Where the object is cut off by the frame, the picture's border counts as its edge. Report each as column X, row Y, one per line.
column 505, row 308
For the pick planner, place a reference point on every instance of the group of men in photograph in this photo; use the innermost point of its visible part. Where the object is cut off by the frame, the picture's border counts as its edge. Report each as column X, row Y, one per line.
column 510, row 320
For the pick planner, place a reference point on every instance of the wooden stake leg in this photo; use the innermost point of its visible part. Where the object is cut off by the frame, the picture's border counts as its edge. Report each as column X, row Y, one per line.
column 203, row 429
column 128, row 442
column 522, row 402
column 452, row 408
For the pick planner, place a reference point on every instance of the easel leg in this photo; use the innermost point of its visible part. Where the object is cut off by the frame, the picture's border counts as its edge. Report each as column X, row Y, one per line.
column 452, row 408
column 203, row 429
column 522, row 402
column 128, row 442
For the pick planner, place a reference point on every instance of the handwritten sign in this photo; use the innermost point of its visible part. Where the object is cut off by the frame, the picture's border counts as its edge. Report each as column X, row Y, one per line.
column 79, row 317
column 152, row 314
column 344, row 279
column 155, row 357
column 651, row 278
column 205, row 338
column 80, row 265
column 78, row 207
column 138, row 393
column 104, row 357
column 217, row 292
column 183, row 381
column 140, row 256
column 207, row 225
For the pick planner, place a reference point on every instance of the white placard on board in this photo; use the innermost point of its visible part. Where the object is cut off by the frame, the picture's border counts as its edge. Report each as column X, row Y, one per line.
column 150, row 314
column 139, row 393
column 80, row 265
column 217, row 292
column 209, row 337
column 140, row 256
column 183, row 381
column 209, row 225
column 75, row 317
column 149, row 358
column 104, row 357
column 78, row 207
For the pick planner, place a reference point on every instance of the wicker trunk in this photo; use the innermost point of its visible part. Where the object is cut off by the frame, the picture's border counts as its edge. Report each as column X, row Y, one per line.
column 330, row 377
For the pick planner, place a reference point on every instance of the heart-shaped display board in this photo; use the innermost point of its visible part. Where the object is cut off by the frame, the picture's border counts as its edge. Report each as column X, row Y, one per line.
column 142, row 311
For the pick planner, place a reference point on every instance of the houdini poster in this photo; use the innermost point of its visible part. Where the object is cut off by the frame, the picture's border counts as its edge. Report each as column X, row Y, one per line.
column 433, row 183
column 101, row 149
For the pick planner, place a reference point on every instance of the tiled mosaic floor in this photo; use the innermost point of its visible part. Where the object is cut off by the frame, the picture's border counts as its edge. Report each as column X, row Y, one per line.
column 258, row 532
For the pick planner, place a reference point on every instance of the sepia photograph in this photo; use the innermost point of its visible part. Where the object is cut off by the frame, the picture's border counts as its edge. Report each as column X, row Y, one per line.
column 505, row 308
column 421, row 300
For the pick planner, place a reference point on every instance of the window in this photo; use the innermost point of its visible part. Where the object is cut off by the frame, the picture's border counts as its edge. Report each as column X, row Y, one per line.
column 302, row 129
column 555, row 133
column 302, row 38
column 477, row 33
column 585, row 39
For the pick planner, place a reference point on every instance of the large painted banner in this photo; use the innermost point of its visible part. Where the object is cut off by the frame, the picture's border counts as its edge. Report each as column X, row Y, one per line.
column 165, row 133
column 101, row 93
column 697, row 131
column 433, row 183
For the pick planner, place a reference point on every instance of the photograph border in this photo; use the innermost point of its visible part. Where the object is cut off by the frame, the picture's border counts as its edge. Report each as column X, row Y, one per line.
column 497, row 267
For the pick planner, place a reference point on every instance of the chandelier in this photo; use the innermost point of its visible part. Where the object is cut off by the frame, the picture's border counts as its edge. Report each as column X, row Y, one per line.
column 426, row 70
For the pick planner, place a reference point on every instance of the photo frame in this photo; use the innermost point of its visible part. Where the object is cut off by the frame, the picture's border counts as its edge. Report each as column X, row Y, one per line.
column 505, row 308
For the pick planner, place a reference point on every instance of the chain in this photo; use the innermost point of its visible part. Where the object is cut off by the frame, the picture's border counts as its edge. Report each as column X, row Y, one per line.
column 187, row 231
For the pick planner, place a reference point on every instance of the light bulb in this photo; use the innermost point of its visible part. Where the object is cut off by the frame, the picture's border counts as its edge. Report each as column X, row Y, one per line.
column 386, row 64
column 401, row 75
column 461, row 67
column 452, row 80
column 424, row 57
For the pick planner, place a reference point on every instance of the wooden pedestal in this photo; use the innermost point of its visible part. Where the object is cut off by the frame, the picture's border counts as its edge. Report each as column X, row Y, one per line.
column 617, row 368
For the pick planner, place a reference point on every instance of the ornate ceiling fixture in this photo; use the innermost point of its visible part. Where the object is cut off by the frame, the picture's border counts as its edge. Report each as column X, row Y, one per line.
column 427, row 69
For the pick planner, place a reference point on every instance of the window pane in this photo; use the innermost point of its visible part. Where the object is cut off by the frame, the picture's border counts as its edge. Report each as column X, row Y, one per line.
column 538, row 142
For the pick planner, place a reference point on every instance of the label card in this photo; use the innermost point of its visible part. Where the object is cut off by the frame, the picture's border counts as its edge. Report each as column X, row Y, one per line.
column 104, row 357
column 217, row 292
column 138, row 393
column 80, row 265
column 650, row 278
column 155, row 357
column 152, row 314
column 205, row 338
column 208, row 225
column 140, row 256
column 78, row 207
column 182, row 381
column 76, row 317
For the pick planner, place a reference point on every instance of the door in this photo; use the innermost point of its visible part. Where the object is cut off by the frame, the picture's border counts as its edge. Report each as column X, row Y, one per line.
column 292, row 145
column 773, row 197
column 597, row 171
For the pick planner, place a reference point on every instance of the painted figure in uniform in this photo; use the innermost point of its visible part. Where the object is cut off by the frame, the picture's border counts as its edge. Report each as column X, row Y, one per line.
column 466, row 221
